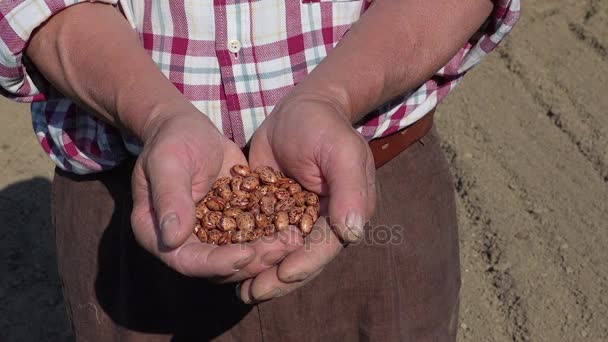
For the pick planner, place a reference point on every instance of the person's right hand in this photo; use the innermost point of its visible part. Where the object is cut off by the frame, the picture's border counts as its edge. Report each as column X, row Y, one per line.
column 183, row 155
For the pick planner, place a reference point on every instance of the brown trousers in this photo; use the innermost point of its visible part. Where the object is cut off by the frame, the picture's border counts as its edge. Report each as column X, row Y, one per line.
column 401, row 284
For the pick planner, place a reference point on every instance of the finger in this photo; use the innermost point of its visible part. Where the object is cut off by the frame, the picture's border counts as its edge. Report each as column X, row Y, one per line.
column 260, row 153
column 192, row 258
column 297, row 269
column 256, row 161
column 171, row 187
column 346, row 172
column 269, row 251
column 320, row 248
column 198, row 259
column 267, row 286
column 243, row 291
column 232, row 156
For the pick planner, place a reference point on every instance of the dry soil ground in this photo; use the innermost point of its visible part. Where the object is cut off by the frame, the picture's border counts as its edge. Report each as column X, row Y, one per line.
column 527, row 138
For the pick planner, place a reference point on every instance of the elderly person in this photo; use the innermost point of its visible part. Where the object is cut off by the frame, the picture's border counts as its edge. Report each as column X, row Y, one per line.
column 143, row 104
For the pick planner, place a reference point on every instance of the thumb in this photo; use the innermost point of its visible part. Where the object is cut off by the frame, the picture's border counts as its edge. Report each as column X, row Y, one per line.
column 171, row 190
column 347, row 179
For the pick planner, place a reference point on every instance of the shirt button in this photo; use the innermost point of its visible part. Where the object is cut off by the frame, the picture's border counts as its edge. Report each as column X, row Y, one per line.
column 234, row 46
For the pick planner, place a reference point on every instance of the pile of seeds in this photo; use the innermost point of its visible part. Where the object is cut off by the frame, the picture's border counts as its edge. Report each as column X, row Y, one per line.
column 250, row 205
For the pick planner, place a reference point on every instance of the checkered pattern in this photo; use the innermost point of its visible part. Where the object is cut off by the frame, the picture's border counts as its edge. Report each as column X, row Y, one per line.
column 282, row 41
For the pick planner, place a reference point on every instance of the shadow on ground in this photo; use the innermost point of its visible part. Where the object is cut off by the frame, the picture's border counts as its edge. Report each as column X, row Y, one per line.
column 31, row 303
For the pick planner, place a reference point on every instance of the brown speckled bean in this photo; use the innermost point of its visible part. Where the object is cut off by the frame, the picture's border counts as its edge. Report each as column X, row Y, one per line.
column 300, row 198
column 201, row 233
column 261, row 168
column 254, row 199
column 253, row 203
column 226, row 238
column 239, row 202
column 312, row 199
column 262, row 190
column 261, row 220
column 284, row 182
column 240, row 170
column 255, row 209
column 211, row 219
column 281, row 194
column 245, row 221
column 250, row 183
column 215, row 203
column 236, row 183
column 220, row 182
column 257, row 233
column 295, row 214
column 267, row 176
column 285, row 205
column 306, row 224
column 214, row 236
column 313, row 212
column 240, row 199
column 272, row 188
column 201, row 210
column 281, row 220
column 267, row 204
column 226, row 224
column 232, row 212
column 224, row 192
column 240, row 193
column 294, row 188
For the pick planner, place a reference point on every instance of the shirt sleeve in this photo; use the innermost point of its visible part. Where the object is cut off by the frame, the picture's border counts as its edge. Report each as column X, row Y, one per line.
column 409, row 108
column 18, row 19
column 75, row 140
column 495, row 29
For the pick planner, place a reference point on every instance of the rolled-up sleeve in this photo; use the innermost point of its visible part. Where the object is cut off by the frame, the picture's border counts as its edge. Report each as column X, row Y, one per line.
column 407, row 109
column 506, row 13
column 18, row 20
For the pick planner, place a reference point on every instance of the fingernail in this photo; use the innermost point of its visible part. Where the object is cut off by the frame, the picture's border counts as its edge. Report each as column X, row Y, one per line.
column 272, row 258
column 169, row 227
column 239, row 297
column 354, row 223
column 270, row 294
column 243, row 262
column 297, row 277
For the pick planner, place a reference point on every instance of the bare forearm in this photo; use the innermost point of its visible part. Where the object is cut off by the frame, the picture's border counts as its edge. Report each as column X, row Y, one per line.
column 91, row 54
column 393, row 48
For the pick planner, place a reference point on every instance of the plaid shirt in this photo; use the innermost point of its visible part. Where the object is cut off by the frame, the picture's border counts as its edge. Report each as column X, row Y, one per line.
column 233, row 59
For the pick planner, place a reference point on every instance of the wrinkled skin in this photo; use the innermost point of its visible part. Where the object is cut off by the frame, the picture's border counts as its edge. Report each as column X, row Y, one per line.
column 311, row 140
column 183, row 155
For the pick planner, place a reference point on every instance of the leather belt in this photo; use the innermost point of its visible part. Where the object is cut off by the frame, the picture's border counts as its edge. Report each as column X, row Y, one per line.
column 386, row 148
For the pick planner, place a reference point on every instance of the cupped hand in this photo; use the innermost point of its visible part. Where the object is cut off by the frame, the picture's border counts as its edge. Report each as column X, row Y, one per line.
column 310, row 138
column 183, row 155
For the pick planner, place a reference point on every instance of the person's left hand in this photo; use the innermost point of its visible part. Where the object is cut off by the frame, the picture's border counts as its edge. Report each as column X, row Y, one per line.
column 310, row 138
